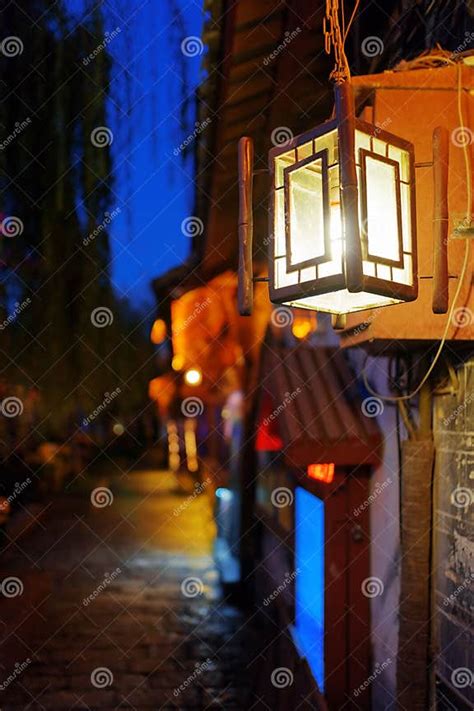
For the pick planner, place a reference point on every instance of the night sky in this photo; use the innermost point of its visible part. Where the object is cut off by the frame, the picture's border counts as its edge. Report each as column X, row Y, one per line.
column 152, row 185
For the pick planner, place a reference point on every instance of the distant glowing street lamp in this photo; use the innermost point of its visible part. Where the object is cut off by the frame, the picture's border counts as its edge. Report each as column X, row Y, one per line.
column 118, row 429
column 158, row 332
column 177, row 362
column 193, row 376
column 303, row 326
column 342, row 224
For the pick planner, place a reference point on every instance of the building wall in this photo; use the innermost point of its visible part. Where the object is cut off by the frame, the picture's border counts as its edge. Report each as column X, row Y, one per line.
column 453, row 536
column 453, row 550
column 385, row 531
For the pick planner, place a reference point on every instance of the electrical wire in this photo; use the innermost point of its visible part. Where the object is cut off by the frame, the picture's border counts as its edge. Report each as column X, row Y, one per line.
column 335, row 34
column 354, row 11
column 462, row 274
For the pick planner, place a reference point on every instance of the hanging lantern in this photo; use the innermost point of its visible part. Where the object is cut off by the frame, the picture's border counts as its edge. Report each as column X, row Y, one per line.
column 342, row 217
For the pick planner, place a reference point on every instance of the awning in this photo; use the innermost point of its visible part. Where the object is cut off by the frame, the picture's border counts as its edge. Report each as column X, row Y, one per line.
column 316, row 407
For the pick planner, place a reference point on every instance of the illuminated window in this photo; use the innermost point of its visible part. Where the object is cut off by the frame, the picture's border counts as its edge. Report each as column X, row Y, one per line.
column 321, row 472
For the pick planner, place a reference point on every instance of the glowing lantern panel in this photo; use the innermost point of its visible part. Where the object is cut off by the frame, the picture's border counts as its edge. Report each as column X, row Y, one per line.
column 335, row 255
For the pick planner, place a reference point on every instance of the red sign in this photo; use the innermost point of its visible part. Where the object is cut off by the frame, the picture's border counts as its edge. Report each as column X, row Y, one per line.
column 321, row 472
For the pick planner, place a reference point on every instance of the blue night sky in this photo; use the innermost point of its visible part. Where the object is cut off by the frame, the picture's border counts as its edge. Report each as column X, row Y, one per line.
column 152, row 187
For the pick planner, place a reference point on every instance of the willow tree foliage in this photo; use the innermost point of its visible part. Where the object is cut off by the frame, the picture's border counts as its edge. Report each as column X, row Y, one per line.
column 56, row 180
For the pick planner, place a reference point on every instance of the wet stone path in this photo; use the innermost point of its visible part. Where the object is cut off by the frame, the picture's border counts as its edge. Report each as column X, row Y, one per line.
column 113, row 602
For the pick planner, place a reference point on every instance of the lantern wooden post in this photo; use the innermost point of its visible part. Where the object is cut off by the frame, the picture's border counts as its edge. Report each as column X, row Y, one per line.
column 345, row 113
column 414, row 659
column 440, row 220
column 245, row 290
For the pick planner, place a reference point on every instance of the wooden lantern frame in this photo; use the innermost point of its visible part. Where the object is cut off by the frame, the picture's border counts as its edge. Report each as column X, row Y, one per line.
column 356, row 249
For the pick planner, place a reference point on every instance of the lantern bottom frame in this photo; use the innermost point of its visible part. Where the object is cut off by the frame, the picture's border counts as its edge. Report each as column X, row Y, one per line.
column 342, row 302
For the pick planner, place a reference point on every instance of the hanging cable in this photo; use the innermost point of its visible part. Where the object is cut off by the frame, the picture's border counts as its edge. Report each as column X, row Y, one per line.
column 335, row 34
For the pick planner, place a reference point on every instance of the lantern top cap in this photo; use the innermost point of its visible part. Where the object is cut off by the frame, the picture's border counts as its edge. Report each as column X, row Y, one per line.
column 332, row 125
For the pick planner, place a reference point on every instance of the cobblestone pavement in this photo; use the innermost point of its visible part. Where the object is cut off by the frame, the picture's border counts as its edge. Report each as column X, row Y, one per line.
column 113, row 603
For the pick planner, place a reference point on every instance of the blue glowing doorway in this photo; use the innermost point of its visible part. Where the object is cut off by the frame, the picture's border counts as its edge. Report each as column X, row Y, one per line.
column 309, row 566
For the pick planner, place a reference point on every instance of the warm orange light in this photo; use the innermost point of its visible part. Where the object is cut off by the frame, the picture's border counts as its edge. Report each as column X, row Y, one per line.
column 321, row 472
column 158, row 331
column 193, row 376
column 154, row 387
column 178, row 362
column 301, row 327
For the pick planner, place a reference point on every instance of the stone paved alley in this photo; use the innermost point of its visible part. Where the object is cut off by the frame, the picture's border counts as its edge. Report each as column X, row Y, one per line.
column 119, row 604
